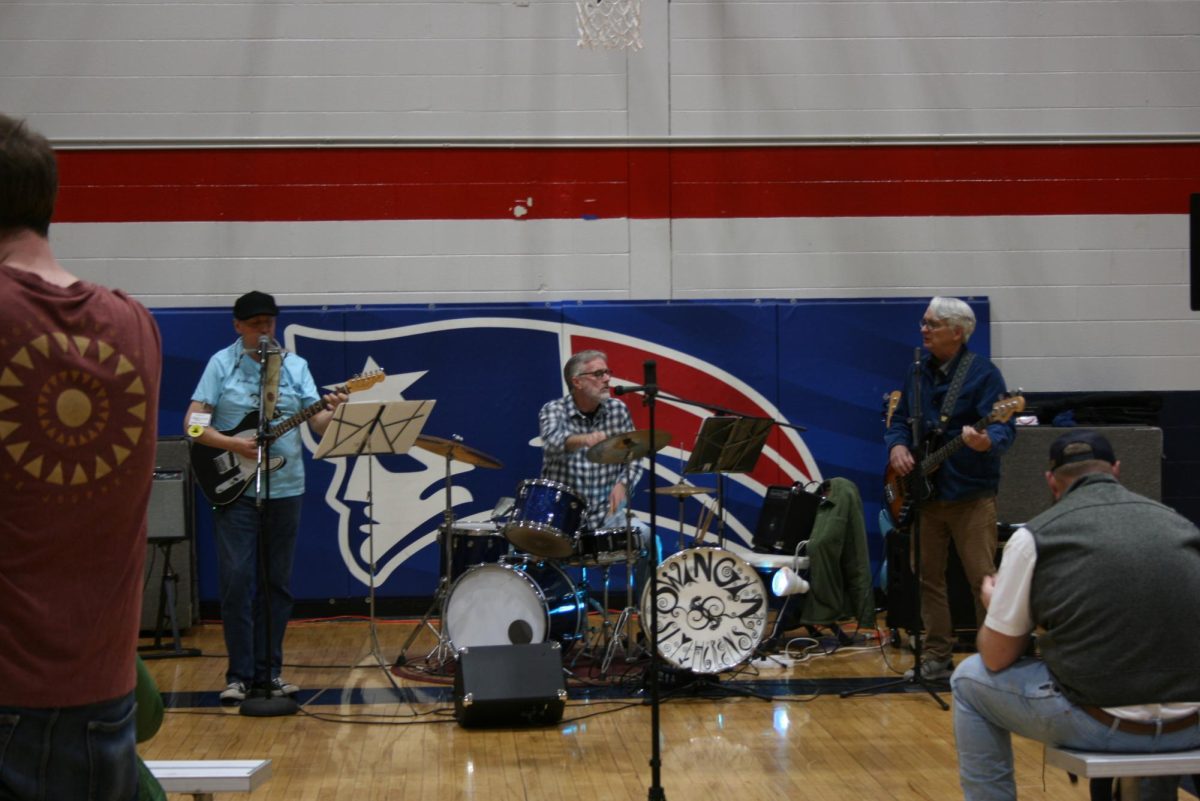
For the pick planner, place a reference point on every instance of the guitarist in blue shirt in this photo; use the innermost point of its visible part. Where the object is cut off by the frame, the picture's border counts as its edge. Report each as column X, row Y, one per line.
column 954, row 475
column 222, row 419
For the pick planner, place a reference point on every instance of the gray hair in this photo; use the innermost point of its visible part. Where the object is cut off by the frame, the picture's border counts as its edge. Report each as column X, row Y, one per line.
column 954, row 312
column 574, row 365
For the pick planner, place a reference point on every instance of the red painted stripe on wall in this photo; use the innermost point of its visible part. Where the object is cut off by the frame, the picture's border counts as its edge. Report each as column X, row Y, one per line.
column 308, row 184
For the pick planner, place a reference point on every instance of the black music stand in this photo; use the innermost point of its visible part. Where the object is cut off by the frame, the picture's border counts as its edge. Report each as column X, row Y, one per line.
column 373, row 428
column 727, row 444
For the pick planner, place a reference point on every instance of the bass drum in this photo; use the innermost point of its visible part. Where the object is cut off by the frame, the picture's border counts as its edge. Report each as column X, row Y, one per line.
column 515, row 602
column 712, row 610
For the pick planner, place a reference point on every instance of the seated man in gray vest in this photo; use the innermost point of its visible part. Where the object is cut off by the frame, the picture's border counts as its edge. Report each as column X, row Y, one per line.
column 1108, row 580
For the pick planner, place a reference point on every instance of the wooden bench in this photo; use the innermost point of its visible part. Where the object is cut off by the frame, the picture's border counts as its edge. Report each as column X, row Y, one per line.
column 1126, row 768
column 203, row 777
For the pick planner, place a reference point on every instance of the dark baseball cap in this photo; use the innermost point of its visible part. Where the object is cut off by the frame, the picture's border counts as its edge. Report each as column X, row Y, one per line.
column 253, row 304
column 1080, row 445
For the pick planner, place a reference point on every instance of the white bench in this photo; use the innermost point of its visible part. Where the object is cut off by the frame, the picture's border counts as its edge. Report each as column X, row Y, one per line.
column 1126, row 768
column 203, row 777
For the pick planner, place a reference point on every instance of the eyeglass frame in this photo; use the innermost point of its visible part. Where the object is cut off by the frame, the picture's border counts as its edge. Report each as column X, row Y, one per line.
column 605, row 373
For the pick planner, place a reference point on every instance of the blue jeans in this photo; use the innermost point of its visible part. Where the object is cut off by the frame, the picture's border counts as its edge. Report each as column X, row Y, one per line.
column 1025, row 699
column 80, row 752
column 236, row 530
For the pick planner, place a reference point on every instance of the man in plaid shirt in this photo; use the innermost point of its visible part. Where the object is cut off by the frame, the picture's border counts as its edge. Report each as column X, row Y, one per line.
column 574, row 423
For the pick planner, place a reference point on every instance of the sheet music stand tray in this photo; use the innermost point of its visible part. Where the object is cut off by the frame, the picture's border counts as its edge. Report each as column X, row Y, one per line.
column 727, row 444
column 373, row 428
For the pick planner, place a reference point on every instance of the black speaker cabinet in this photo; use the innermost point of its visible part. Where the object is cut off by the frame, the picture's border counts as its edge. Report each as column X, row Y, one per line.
column 787, row 517
column 170, row 522
column 1023, row 492
column 510, row 685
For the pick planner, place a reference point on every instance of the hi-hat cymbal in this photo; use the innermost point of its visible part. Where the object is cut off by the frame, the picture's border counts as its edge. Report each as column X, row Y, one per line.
column 684, row 490
column 622, row 448
column 457, row 451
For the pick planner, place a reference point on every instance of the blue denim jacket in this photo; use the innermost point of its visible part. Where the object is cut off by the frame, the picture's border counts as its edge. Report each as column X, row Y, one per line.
column 967, row 473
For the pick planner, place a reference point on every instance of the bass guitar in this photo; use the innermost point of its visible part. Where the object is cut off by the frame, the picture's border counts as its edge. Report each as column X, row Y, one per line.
column 902, row 493
column 224, row 475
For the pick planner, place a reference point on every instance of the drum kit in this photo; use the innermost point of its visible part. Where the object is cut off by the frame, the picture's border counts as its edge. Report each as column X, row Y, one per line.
column 505, row 581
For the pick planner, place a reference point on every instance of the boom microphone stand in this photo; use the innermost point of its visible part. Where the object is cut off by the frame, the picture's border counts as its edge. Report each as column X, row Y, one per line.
column 650, row 390
column 917, row 421
column 271, row 705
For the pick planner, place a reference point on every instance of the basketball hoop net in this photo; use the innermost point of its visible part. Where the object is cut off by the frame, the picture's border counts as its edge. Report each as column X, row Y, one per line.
column 610, row 23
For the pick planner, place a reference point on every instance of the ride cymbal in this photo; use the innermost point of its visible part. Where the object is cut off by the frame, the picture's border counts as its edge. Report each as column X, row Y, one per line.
column 622, row 448
column 457, row 451
column 684, row 490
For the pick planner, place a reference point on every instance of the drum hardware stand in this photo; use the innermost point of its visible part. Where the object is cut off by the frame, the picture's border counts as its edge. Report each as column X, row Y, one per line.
column 622, row 633
column 918, row 680
column 442, row 651
column 370, row 428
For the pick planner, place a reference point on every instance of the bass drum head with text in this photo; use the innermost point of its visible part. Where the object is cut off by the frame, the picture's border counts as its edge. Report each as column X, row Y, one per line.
column 712, row 610
column 513, row 603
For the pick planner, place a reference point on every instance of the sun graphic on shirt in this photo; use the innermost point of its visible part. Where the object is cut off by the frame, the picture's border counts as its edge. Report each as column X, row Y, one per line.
column 72, row 410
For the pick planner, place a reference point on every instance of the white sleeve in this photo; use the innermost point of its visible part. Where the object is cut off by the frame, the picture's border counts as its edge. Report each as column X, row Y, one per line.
column 1008, row 613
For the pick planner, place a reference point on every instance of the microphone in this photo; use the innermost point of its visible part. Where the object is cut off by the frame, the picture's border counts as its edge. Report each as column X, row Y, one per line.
column 649, row 383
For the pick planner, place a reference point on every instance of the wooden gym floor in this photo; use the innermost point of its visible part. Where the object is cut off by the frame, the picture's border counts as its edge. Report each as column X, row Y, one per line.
column 356, row 737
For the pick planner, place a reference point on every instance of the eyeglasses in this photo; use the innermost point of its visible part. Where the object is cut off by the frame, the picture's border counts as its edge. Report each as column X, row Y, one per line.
column 932, row 325
column 605, row 373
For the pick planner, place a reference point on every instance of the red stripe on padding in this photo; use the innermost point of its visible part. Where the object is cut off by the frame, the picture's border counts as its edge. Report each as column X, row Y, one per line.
column 305, row 184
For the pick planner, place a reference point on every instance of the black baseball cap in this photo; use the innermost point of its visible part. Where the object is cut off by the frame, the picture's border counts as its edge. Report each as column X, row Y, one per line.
column 1080, row 445
column 253, row 304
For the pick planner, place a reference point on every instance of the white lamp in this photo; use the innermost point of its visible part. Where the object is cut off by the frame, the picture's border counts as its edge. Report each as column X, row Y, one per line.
column 787, row 581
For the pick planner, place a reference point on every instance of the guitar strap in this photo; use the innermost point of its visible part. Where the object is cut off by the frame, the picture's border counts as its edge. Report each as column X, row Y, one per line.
column 956, row 385
column 274, row 362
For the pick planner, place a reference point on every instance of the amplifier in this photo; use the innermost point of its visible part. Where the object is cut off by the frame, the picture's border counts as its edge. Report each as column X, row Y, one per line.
column 786, row 519
column 509, row 685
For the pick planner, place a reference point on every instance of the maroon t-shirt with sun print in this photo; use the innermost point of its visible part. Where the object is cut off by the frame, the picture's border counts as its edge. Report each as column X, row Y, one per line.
column 79, row 379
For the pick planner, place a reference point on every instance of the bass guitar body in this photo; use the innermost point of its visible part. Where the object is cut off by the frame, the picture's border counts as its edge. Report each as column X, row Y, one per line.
column 901, row 494
column 224, row 475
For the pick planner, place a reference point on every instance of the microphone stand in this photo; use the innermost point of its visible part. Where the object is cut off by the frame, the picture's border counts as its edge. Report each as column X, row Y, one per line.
column 917, row 421
column 650, row 389
column 270, row 705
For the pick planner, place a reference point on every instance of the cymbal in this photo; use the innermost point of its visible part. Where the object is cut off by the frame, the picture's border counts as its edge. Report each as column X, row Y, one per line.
column 684, row 490
column 457, row 451
column 622, row 448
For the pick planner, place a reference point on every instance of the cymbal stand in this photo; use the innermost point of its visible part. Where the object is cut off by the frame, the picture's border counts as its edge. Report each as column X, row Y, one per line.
column 443, row 651
column 623, row 636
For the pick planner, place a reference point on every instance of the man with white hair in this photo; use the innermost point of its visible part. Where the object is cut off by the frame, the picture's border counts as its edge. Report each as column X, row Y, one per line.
column 958, row 388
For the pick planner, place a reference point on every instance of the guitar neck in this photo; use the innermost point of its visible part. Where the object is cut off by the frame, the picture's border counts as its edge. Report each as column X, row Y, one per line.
column 284, row 426
column 935, row 459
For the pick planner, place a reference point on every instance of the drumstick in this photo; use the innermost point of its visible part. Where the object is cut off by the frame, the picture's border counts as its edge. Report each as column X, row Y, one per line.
column 703, row 522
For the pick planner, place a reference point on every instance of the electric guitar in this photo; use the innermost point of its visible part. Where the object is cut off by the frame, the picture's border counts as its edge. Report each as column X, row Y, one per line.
column 224, row 475
column 901, row 493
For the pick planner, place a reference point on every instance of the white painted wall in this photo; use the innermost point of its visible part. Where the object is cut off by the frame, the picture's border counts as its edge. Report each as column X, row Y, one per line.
column 1078, row 302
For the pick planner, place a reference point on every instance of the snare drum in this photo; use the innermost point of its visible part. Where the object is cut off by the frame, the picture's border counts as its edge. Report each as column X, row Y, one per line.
column 514, row 602
column 472, row 544
column 605, row 546
column 712, row 610
column 545, row 517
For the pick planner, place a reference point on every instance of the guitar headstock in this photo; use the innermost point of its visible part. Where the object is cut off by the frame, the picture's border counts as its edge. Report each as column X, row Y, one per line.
column 364, row 381
column 890, row 402
column 1006, row 407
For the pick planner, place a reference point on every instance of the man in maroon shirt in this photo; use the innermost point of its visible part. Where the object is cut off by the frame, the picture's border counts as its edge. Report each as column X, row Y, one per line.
column 79, row 377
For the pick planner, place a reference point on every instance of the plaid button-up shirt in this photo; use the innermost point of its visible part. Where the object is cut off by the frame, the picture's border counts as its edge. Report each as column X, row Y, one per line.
column 560, row 419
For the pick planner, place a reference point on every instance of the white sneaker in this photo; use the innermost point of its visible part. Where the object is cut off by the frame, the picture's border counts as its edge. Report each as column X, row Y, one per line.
column 282, row 687
column 933, row 670
column 234, row 691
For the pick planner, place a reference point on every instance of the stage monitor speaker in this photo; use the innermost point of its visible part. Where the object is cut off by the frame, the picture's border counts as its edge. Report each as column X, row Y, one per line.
column 786, row 519
column 509, row 685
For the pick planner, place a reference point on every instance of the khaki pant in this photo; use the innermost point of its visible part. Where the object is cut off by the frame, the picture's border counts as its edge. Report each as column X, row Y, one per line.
column 971, row 526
